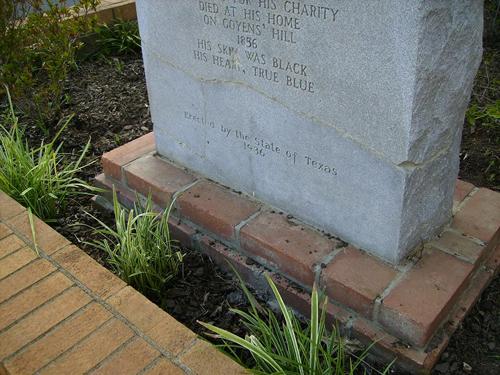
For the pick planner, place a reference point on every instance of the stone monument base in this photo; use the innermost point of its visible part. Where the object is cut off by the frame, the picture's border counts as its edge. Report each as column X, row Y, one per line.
column 410, row 310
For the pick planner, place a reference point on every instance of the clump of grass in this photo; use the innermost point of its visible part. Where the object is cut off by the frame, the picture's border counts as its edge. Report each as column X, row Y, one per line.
column 290, row 347
column 41, row 179
column 119, row 38
column 140, row 249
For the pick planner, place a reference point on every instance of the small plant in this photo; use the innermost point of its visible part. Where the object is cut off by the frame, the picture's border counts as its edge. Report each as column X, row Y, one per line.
column 119, row 38
column 40, row 179
column 489, row 114
column 140, row 249
column 38, row 44
column 290, row 347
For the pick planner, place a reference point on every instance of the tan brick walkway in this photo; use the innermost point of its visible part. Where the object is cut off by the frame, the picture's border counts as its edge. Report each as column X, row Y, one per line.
column 63, row 313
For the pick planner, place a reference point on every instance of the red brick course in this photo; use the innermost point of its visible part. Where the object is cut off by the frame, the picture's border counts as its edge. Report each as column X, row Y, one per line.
column 462, row 190
column 416, row 306
column 480, row 216
column 459, row 245
column 356, row 279
column 410, row 302
column 115, row 160
column 291, row 248
column 155, row 176
column 223, row 256
column 215, row 208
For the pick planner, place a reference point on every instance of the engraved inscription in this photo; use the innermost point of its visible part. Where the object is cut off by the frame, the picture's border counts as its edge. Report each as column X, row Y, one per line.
column 253, row 23
column 262, row 147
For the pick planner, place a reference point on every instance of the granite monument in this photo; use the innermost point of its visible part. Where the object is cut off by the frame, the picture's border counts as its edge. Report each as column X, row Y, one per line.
column 346, row 114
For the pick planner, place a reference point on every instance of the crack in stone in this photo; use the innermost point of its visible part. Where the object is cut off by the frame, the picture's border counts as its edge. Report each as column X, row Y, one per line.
column 406, row 165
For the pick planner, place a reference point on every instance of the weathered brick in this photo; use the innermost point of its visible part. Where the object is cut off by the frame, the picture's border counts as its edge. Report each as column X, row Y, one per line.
column 388, row 347
column 47, row 239
column 249, row 271
column 480, row 216
column 40, row 321
column 56, row 342
column 24, row 278
column 462, row 190
column 419, row 303
column 150, row 174
column 11, row 263
column 150, row 319
column 356, row 279
column 215, row 208
column 461, row 308
column 493, row 262
column 136, row 308
column 288, row 247
column 94, row 276
column 292, row 295
column 164, row 367
column 114, row 160
column 337, row 316
column 92, row 350
column 171, row 335
column 131, row 359
column 181, row 232
column 4, row 231
column 102, row 182
column 31, row 298
column 10, row 244
column 459, row 245
column 204, row 359
column 125, row 196
column 9, row 207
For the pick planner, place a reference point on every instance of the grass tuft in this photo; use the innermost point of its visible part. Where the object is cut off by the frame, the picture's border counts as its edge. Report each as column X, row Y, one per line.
column 40, row 179
column 281, row 344
column 119, row 38
column 140, row 249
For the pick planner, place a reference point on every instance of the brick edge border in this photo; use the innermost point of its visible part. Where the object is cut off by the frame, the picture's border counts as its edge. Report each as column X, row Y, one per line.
column 185, row 350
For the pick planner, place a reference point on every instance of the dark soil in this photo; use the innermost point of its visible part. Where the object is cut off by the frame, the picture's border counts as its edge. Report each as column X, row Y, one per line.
column 477, row 342
column 109, row 100
column 480, row 153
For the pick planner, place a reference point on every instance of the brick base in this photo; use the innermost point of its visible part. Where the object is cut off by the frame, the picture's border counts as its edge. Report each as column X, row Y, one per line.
column 412, row 309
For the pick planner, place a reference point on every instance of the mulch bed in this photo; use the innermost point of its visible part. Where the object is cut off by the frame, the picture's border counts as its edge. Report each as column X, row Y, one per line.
column 110, row 104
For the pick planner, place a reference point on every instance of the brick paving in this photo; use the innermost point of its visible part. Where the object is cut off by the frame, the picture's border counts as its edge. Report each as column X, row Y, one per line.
column 63, row 313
